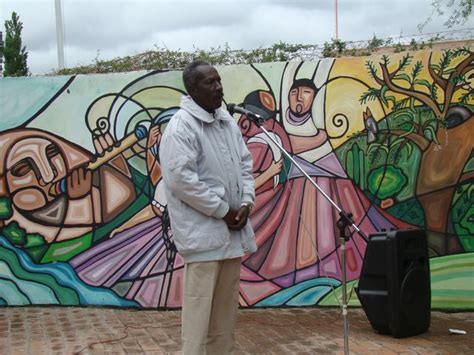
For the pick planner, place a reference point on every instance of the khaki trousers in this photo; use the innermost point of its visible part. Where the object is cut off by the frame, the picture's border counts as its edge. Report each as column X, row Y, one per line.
column 210, row 304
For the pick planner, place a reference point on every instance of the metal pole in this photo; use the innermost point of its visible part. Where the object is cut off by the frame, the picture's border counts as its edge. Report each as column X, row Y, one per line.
column 337, row 21
column 343, row 222
column 59, row 33
column 1, row 56
column 344, row 295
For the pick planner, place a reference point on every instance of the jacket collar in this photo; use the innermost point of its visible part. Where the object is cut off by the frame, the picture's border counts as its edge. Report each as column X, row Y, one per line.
column 188, row 104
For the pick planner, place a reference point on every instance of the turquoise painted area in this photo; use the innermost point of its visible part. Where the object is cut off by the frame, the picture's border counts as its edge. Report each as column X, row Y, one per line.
column 66, row 116
column 309, row 297
column 305, row 293
column 39, row 294
column 21, row 98
column 171, row 79
column 11, row 294
column 18, row 291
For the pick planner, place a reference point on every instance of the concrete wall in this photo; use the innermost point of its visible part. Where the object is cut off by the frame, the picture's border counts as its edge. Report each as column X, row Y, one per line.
column 387, row 138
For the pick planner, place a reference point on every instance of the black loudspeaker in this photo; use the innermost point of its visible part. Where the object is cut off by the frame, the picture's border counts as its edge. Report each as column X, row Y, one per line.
column 394, row 286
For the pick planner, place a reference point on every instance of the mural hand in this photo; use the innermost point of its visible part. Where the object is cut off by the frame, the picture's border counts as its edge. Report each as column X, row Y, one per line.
column 154, row 136
column 79, row 183
column 103, row 143
column 274, row 170
column 276, row 167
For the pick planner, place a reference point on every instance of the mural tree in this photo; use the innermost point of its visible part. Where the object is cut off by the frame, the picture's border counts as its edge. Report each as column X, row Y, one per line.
column 439, row 127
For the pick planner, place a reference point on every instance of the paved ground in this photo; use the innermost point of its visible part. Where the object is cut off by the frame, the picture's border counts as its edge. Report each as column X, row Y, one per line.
column 64, row 330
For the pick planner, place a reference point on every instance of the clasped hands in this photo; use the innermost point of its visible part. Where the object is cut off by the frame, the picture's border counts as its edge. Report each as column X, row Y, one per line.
column 236, row 220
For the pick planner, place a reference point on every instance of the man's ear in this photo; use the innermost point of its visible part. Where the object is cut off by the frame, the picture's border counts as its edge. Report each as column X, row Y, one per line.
column 191, row 91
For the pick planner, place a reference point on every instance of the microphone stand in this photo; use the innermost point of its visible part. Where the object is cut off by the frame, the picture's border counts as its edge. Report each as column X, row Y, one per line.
column 344, row 221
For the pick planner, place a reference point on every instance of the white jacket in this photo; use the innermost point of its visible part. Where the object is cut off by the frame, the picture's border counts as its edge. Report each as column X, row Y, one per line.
column 207, row 169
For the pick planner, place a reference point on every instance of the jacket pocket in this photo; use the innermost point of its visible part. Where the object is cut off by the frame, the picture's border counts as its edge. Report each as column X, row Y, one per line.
column 195, row 232
column 219, row 190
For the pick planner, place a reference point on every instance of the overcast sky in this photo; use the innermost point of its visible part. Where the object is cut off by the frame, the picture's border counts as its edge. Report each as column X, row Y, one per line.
column 116, row 28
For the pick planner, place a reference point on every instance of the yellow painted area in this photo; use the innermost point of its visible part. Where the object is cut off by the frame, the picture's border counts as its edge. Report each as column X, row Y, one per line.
column 350, row 78
column 342, row 100
column 237, row 79
column 158, row 97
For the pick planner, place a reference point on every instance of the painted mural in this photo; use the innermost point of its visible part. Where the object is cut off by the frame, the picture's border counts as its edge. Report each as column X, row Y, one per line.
column 83, row 218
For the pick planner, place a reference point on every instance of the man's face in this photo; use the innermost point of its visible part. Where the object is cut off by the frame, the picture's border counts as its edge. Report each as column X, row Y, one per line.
column 33, row 165
column 207, row 90
column 301, row 98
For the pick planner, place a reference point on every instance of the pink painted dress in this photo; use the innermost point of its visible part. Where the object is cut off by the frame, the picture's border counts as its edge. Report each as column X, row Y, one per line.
column 295, row 224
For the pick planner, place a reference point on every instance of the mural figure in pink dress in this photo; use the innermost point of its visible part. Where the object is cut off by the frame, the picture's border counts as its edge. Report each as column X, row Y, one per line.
column 294, row 223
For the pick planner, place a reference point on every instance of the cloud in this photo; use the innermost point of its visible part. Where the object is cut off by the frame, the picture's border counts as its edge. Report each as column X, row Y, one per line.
column 105, row 24
column 304, row 4
column 118, row 28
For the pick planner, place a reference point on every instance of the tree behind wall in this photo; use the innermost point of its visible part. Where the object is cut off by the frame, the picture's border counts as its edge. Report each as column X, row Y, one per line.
column 458, row 12
column 14, row 54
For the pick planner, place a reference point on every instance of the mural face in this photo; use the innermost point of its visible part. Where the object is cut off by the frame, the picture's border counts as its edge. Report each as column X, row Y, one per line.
column 83, row 218
column 300, row 97
column 33, row 165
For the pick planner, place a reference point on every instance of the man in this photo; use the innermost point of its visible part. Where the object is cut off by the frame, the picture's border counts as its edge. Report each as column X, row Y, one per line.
column 207, row 171
column 35, row 165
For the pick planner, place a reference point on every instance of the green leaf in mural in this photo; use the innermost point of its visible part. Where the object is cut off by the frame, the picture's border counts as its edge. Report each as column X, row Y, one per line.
column 429, row 122
column 409, row 211
column 67, row 249
column 391, row 99
column 403, row 142
column 423, row 82
column 36, row 253
column 34, row 240
column 15, row 234
column 417, row 69
column 383, row 91
column 402, row 76
column 370, row 95
column 398, row 141
column 430, row 133
column 386, row 181
column 371, row 68
column 462, row 214
column 5, row 208
column 401, row 104
column 376, row 146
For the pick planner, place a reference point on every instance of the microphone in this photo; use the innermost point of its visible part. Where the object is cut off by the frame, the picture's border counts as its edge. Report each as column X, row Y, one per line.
column 255, row 117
